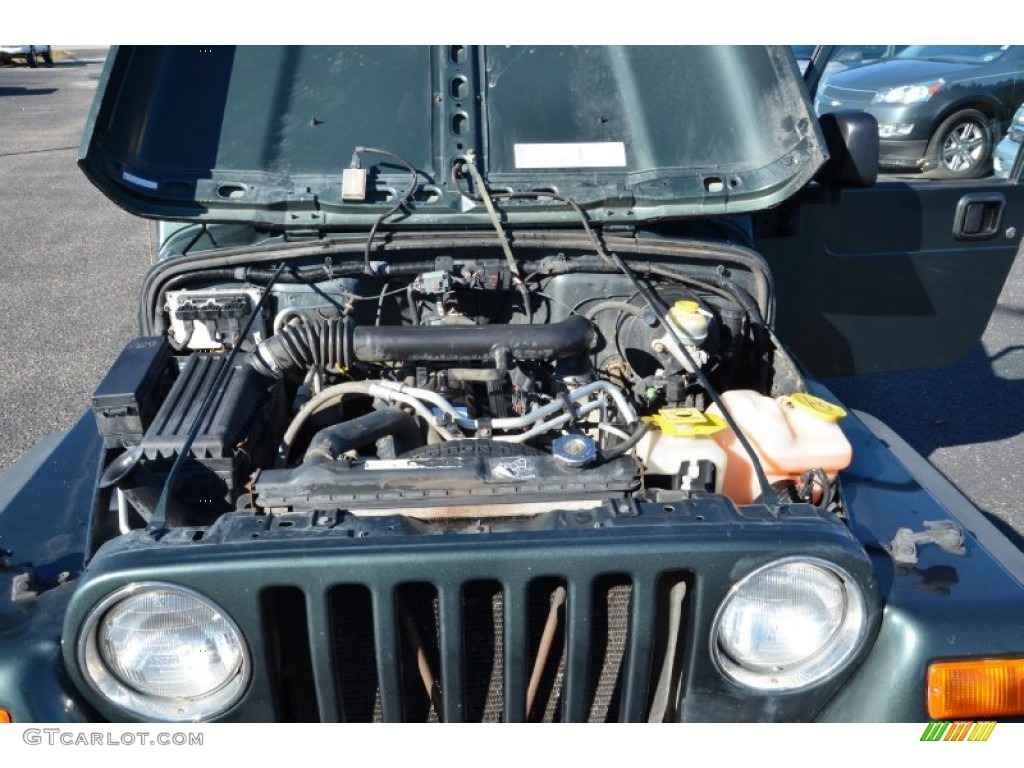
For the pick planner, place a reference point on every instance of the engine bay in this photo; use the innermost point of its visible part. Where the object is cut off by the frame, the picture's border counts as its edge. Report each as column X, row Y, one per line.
column 449, row 385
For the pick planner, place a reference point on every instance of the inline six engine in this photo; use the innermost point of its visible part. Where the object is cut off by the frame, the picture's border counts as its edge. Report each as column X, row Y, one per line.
column 458, row 388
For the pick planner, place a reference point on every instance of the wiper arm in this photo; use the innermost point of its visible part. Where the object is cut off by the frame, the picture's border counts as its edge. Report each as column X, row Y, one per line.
column 485, row 196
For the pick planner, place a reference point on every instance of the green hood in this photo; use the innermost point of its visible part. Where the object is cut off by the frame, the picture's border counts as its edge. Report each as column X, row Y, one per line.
column 262, row 135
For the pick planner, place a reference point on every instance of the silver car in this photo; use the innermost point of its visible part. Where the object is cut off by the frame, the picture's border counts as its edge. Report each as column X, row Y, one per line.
column 32, row 53
column 1006, row 151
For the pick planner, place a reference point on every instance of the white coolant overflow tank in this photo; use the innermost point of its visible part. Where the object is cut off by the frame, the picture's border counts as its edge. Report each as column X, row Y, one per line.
column 683, row 435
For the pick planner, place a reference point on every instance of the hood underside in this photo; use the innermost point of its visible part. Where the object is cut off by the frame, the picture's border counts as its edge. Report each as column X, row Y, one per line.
column 262, row 134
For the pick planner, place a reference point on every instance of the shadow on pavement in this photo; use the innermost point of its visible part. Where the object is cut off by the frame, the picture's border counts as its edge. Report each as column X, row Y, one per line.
column 978, row 399
column 17, row 91
column 1006, row 529
column 73, row 62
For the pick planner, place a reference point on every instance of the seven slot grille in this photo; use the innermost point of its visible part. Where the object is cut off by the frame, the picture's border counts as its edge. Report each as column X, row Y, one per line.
column 549, row 649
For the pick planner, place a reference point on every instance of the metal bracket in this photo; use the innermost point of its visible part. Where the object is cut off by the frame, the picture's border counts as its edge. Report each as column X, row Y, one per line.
column 20, row 585
column 943, row 533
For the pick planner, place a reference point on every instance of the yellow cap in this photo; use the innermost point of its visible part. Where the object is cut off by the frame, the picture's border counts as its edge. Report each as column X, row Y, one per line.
column 814, row 406
column 687, row 422
column 5, row 716
column 687, row 306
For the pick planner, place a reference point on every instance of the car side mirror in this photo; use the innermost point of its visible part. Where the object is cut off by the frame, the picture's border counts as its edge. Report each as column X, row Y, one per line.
column 852, row 141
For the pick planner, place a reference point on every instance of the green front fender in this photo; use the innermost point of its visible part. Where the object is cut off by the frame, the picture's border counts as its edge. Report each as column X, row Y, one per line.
column 46, row 503
column 33, row 685
column 948, row 605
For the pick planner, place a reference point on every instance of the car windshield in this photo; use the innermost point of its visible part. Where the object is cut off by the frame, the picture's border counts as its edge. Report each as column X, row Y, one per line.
column 967, row 54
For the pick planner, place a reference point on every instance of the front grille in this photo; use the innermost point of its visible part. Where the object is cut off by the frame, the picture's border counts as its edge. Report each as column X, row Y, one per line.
column 603, row 649
column 600, row 615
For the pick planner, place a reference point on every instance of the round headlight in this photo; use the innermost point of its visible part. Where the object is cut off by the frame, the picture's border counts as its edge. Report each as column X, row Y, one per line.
column 164, row 652
column 788, row 625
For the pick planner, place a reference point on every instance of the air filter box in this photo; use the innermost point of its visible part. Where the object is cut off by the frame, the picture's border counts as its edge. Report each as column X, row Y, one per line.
column 235, row 437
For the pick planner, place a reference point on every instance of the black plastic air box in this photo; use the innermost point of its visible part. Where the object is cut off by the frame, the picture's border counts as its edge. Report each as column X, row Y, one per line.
column 234, row 439
column 128, row 396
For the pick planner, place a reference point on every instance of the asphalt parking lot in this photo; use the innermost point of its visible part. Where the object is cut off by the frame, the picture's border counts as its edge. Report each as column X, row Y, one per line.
column 72, row 263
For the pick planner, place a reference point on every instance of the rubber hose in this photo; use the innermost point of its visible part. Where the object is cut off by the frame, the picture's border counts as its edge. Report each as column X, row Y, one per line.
column 331, row 442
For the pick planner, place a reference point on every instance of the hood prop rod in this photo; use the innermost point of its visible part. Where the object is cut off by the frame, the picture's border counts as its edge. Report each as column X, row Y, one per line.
column 478, row 182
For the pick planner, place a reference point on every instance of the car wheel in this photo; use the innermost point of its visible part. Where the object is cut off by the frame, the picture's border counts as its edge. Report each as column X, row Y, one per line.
column 30, row 57
column 961, row 147
column 48, row 56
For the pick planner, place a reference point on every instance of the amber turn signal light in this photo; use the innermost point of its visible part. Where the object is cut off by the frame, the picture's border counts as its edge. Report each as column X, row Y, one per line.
column 974, row 688
column 5, row 716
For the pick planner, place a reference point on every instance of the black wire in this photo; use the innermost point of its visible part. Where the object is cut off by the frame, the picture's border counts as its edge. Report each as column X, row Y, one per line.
column 617, row 450
column 407, row 197
column 194, row 240
column 809, row 479
column 524, row 291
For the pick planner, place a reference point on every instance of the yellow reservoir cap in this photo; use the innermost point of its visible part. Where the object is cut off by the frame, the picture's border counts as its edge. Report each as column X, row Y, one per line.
column 687, row 422
column 814, row 406
column 687, row 306
column 5, row 716
column 975, row 688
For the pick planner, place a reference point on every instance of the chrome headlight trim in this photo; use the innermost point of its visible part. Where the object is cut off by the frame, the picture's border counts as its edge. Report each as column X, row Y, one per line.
column 840, row 647
column 109, row 687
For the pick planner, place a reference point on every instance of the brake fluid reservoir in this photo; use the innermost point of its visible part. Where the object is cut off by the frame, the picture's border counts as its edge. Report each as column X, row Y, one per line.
column 682, row 446
column 791, row 435
column 690, row 321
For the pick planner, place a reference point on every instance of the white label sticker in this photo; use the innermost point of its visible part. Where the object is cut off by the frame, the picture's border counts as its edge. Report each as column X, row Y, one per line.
column 375, row 464
column 598, row 154
column 139, row 181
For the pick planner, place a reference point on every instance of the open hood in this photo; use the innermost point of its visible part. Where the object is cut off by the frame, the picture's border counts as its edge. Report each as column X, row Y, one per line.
column 263, row 134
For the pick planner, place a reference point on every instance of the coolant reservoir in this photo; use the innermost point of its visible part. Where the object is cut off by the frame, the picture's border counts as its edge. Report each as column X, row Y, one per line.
column 791, row 435
column 684, row 435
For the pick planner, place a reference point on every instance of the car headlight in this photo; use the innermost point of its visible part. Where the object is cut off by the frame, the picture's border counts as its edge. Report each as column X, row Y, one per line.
column 788, row 625
column 908, row 94
column 894, row 130
column 164, row 652
column 1016, row 132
